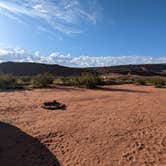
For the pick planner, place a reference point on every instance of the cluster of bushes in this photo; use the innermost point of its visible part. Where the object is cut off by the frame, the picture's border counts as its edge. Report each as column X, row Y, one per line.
column 12, row 82
column 66, row 81
column 86, row 80
column 42, row 80
column 158, row 82
column 7, row 82
column 118, row 80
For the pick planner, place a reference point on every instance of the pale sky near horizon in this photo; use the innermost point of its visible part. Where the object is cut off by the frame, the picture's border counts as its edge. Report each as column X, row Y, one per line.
column 83, row 33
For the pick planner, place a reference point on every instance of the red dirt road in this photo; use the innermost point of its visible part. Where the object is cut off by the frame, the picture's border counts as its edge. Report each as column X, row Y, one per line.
column 112, row 126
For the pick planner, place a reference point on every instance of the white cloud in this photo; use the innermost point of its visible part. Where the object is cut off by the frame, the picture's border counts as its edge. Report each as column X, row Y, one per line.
column 66, row 16
column 21, row 55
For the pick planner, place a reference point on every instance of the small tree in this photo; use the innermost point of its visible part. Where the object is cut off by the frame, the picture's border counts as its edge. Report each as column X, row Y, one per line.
column 160, row 83
column 141, row 81
column 7, row 81
column 87, row 80
column 43, row 80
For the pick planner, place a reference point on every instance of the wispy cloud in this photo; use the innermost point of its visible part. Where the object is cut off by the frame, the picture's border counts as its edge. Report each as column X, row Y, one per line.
column 21, row 55
column 67, row 16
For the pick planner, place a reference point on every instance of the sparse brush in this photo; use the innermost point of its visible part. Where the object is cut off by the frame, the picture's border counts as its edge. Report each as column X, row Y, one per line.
column 160, row 83
column 42, row 80
column 26, row 79
column 7, row 82
column 87, row 80
column 141, row 81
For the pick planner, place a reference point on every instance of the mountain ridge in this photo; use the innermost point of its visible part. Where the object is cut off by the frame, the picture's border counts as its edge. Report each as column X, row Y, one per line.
column 33, row 68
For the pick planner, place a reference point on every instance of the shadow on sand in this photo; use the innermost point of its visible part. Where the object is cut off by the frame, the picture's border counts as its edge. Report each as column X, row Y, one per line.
column 69, row 88
column 20, row 149
column 119, row 90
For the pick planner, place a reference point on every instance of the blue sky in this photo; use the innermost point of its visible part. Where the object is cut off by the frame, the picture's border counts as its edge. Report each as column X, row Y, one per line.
column 83, row 33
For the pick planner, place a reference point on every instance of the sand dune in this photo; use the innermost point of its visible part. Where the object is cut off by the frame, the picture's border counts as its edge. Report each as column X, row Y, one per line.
column 111, row 126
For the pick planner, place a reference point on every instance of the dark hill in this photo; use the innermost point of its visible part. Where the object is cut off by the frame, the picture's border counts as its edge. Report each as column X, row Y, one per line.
column 143, row 70
column 30, row 69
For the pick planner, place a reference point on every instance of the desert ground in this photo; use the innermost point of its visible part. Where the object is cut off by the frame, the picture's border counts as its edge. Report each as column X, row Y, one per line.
column 116, row 125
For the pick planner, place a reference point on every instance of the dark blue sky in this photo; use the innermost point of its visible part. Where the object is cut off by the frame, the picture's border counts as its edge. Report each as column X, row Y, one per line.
column 91, row 28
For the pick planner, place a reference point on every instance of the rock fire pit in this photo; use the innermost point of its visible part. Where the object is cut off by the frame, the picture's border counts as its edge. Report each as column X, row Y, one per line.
column 53, row 105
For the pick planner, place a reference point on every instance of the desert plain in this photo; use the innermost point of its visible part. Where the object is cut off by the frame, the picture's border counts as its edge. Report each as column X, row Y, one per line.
column 118, row 125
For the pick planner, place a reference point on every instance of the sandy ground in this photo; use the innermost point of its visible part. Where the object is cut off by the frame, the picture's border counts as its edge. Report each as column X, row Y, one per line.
column 112, row 126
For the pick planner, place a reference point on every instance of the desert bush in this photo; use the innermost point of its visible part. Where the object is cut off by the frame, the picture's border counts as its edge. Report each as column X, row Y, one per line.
column 125, row 80
column 141, row 81
column 64, row 80
column 154, row 81
column 109, row 81
column 67, row 81
column 118, row 80
column 160, row 83
column 42, row 80
column 87, row 80
column 7, row 82
column 26, row 79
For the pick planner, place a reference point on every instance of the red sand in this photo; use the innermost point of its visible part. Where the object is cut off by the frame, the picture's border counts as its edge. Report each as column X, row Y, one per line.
column 115, row 125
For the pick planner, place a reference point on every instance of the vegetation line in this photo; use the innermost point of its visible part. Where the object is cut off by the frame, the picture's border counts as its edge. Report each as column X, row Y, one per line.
column 85, row 80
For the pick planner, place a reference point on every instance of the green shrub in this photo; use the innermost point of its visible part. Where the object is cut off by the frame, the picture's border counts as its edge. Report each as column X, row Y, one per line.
column 125, row 80
column 109, row 81
column 141, row 81
column 25, row 79
column 7, row 82
column 64, row 80
column 155, row 81
column 118, row 80
column 87, row 80
column 68, row 81
column 160, row 83
column 42, row 80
